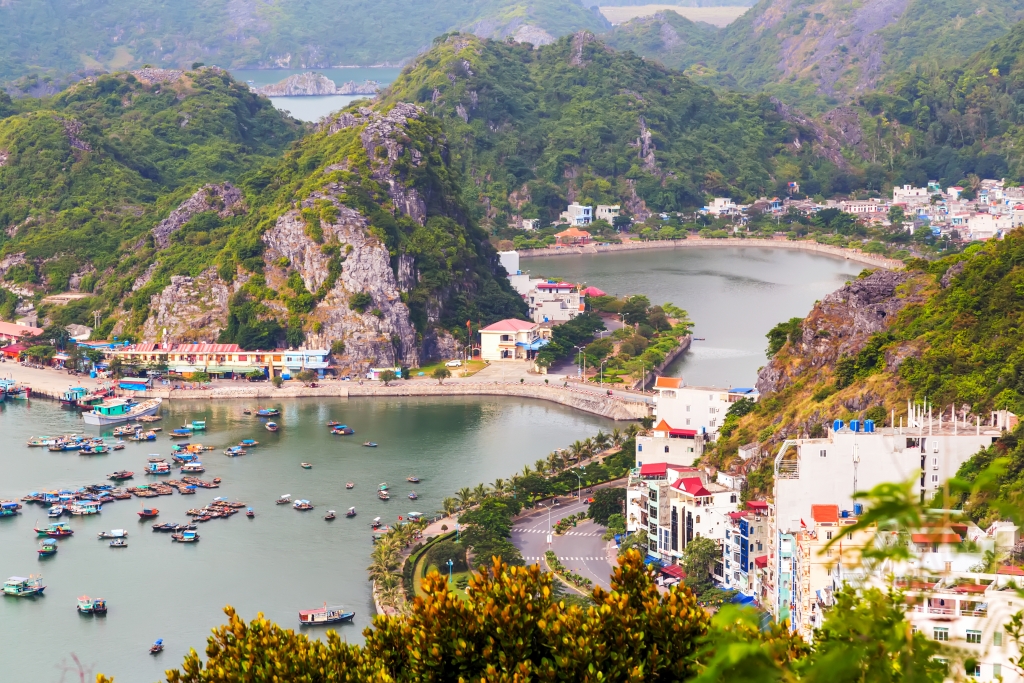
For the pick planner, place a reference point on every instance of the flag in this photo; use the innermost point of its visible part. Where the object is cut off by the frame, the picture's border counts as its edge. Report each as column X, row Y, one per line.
column 803, row 523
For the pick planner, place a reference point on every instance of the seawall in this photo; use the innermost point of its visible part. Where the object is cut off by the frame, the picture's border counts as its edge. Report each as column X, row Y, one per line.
column 856, row 255
column 612, row 407
column 670, row 358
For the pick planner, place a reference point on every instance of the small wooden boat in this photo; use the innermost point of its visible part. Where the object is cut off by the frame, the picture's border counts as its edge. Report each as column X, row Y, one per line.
column 271, row 426
column 343, row 430
column 383, row 495
column 85, row 507
column 284, row 499
column 268, row 412
column 375, row 524
column 351, row 512
column 324, row 615
column 185, row 537
column 55, row 511
column 119, row 446
column 248, row 443
column 234, row 451
column 331, row 423
column 158, row 468
column 47, row 547
column 167, row 527
column 414, row 480
column 306, row 466
column 181, row 433
column 249, row 513
column 246, row 411
column 157, row 647
column 330, row 515
column 370, row 444
column 383, row 486
column 119, row 543
column 303, row 505
column 126, row 430
column 143, row 436
column 148, row 513
column 87, row 605
column 349, row 485
column 193, row 468
column 59, row 530
column 115, row 533
column 413, row 496
column 197, row 425
column 93, row 449
column 121, row 475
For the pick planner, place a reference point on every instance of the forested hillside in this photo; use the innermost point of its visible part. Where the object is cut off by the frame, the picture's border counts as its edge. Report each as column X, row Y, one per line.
column 576, row 120
column 823, row 52
column 39, row 37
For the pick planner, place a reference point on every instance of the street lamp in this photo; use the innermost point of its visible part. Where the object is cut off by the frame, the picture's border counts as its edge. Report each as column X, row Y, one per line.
column 602, row 372
column 579, row 361
column 579, row 492
column 450, row 564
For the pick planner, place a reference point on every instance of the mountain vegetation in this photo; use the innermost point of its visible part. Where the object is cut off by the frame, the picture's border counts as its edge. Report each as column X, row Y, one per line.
column 575, row 120
column 95, row 36
column 824, row 52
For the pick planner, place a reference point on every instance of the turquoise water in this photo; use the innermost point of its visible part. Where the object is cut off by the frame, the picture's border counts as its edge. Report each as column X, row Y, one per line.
column 278, row 563
column 314, row 108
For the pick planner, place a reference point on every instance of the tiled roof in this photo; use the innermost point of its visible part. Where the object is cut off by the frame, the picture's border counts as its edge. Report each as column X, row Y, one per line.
column 668, row 383
column 654, row 469
column 1010, row 570
column 935, row 538
column 205, row 348
column 510, row 325
column 825, row 513
column 691, row 485
column 19, row 330
column 573, row 232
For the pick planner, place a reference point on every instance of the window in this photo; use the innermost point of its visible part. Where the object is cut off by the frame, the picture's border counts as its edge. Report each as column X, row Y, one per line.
column 941, row 634
column 997, row 638
column 687, row 410
column 828, row 553
column 935, row 447
column 975, row 672
column 997, row 670
column 828, row 535
column 687, row 420
column 822, row 453
column 666, row 449
column 639, row 447
column 713, row 421
column 935, row 463
column 732, row 498
column 698, row 519
column 935, row 479
column 974, row 637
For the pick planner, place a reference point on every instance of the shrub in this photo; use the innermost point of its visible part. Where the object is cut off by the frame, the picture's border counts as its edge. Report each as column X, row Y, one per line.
column 359, row 301
column 442, row 551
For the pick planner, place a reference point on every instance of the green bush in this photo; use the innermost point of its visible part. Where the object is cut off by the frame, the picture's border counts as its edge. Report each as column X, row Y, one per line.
column 439, row 553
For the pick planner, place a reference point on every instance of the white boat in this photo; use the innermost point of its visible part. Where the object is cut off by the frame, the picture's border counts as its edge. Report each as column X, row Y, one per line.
column 114, row 533
column 193, row 467
column 115, row 410
column 85, row 508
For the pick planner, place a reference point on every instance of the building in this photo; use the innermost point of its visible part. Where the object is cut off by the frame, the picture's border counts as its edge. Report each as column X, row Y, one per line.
column 578, row 214
column 512, row 339
column 721, row 206
column 911, row 195
column 224, row 360
column 986, row 226
column 520, row 281
column 79, row 332
column 554, row 302
column 745, row 543
column 607, row 212
column 530, row 224
column 11, row 332
column 572, row 237
column 860, row 207
column 827, row 471
column 699, row 408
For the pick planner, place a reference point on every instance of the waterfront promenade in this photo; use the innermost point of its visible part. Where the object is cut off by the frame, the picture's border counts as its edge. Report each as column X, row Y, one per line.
column 873, row 260
column 621, row 405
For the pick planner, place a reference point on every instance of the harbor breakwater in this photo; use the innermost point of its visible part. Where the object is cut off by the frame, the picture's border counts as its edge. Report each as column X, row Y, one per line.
column 856, row 255
column 614, row 407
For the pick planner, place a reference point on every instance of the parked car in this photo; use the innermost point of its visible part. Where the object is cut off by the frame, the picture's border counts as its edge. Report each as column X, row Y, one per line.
column 453, row 364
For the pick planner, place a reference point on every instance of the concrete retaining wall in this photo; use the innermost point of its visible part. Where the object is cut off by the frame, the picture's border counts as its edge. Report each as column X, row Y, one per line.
column 857, row 255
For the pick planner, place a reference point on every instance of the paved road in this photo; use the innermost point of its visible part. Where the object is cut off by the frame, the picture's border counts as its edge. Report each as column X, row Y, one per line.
column 580, row 549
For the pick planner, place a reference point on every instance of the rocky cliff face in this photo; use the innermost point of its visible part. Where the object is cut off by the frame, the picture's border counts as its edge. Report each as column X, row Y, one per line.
column 312, row 83
column 225, row 199
column 189, row 309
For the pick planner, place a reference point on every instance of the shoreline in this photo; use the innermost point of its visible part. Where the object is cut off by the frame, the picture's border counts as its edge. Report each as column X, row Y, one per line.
column 700, row 242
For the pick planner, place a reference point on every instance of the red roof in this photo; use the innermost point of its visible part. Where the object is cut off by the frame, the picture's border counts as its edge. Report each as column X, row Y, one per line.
column 683, row 432
column 555, row 285
column 674, row 570
column 573, row 232
column 668, row 382
column 510, row 325
column 593, row 291
column 692, row 485
column 757, row 504
column 145, row 348
column 935, row 538
column 654, row 469
column 1009, row 569
column 12, row 330
column 663, row 426
column 13, row 350
column 761, row 561
column 970, row 588
column 205, row 348
column 825, row 513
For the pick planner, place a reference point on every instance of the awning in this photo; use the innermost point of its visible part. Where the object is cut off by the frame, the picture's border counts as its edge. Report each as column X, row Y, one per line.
column 684, row 433
column 674, row 570
column 533, row 345
column 650, row 559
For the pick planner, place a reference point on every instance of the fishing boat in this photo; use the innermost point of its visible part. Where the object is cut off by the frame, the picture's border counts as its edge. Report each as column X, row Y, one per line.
column 333, row 423
column 156, row 458
column 143, row 436
column 234, row 451
column 121, row 475
column 73, row 395
column 375, row 524
column 306, row 465
column 118, row 446
column 21, row 587
column 86, row 605
column 93, row 449
column 271, row 426
column 64, row 446
column 148, row 513
column 181, row 433
column 158, row 468
column 113, row 533
column 303, row 505
column 55, row 511
column 86, row 507
column 370, row 444
column 193, row 468
column 248, row 443
column 330, row 515
column 415, row 516
column 57, row 530
column 351, row 512
column 383, row 486
column 157, row 647
column 117, row 410
column 9, row 508
column 169, row 526
column 50, row 440
column 324, row 615
column 47, row 547
column 197, row 425
column 185, row 537
column 383, row 495
column 268, row 412
column 343, row 430
column 246, row 411
column 126, row 430
column 249, row 513
column 413, row 495
column 284, row 499
column 119, row 543
column 414, row 479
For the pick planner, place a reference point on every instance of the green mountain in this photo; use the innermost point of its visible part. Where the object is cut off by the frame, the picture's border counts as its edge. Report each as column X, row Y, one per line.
column 575, row 120
column 117, row 34
column 822, row 52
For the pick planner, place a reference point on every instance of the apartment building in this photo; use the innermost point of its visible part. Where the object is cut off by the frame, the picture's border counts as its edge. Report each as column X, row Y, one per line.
column 223, row 359
column 554, row 302
column 746, row 542
column 701, row 409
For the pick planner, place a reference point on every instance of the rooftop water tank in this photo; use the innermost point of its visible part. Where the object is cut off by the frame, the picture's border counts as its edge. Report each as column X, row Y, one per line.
column 837, row 425
column 844, row 514
column 869, row 426
column 854, row 425
column 858, row 509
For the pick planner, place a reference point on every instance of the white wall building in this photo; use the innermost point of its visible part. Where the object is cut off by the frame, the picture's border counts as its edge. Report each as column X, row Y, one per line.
column 699, row 408
column 721, row 206
column 578, row 214
column 520, row 281
column 554, row 302
column 607, row 212
column 910, row 195
column 986, row 226
column 512, row 339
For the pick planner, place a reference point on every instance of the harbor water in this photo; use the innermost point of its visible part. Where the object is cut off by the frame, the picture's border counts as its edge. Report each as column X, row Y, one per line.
column 281, row 561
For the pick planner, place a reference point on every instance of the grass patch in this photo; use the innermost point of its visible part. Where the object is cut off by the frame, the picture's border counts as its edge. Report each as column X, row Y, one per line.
column 468, row 369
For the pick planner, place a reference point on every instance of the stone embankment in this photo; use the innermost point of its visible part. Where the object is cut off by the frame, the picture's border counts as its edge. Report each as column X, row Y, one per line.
column 856, row 255
column 670, row 357
column 613, row 407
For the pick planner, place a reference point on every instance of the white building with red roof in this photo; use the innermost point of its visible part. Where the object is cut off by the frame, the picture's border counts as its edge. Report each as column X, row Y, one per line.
column 554, row 302
column 512, row 339
column 11, row 332
column 702, row 409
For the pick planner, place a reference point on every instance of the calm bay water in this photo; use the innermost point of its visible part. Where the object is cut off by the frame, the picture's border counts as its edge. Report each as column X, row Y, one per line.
column 313, row 108
column 733, row 295
column 281, row 561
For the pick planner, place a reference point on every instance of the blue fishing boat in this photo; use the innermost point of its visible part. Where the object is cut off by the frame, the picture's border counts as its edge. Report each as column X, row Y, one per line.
column 234, row 451
column 117, row 410
column 324, row 615
column 157, row 647
column 73, row 395
column 198, row 425
column 183, row 433
column 271, row 426
column 21, row 587
column 9, row 508
column 55, row 511
column 158, row 468
column 343, row 430
column 47, row 547
column 268, row 412
column 248, row 443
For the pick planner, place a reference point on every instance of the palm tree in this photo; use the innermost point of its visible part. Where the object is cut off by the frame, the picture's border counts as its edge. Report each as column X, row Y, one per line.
column 465, row 497
column 499, row 487
column 541, row 466
column 577, row 449
column 390, row 595
column 601, row 440
column 527, row 471
column 617, row 438
column 553, row 462
column 632, row 430
column 448, row 506
column 479, row 493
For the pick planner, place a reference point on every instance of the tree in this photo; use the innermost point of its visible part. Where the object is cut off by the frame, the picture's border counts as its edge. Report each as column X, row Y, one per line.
column 698, row 559
column 115, row 367
column 465, row 497
column 305, row 376
column 607, row 502
column 387, row 377
column 778, row 336
column 448, row 506
column 897, row 217
column 441, row 374
column 277, row 381
column 634, row 311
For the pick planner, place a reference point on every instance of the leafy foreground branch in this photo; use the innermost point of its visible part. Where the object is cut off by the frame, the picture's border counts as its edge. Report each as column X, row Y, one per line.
column 513, row 628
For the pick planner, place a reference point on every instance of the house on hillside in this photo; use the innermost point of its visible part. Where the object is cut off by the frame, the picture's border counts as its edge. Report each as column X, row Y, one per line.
column 554, row 302
column 11, row 332
column 512, row 339
column 578, row 214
